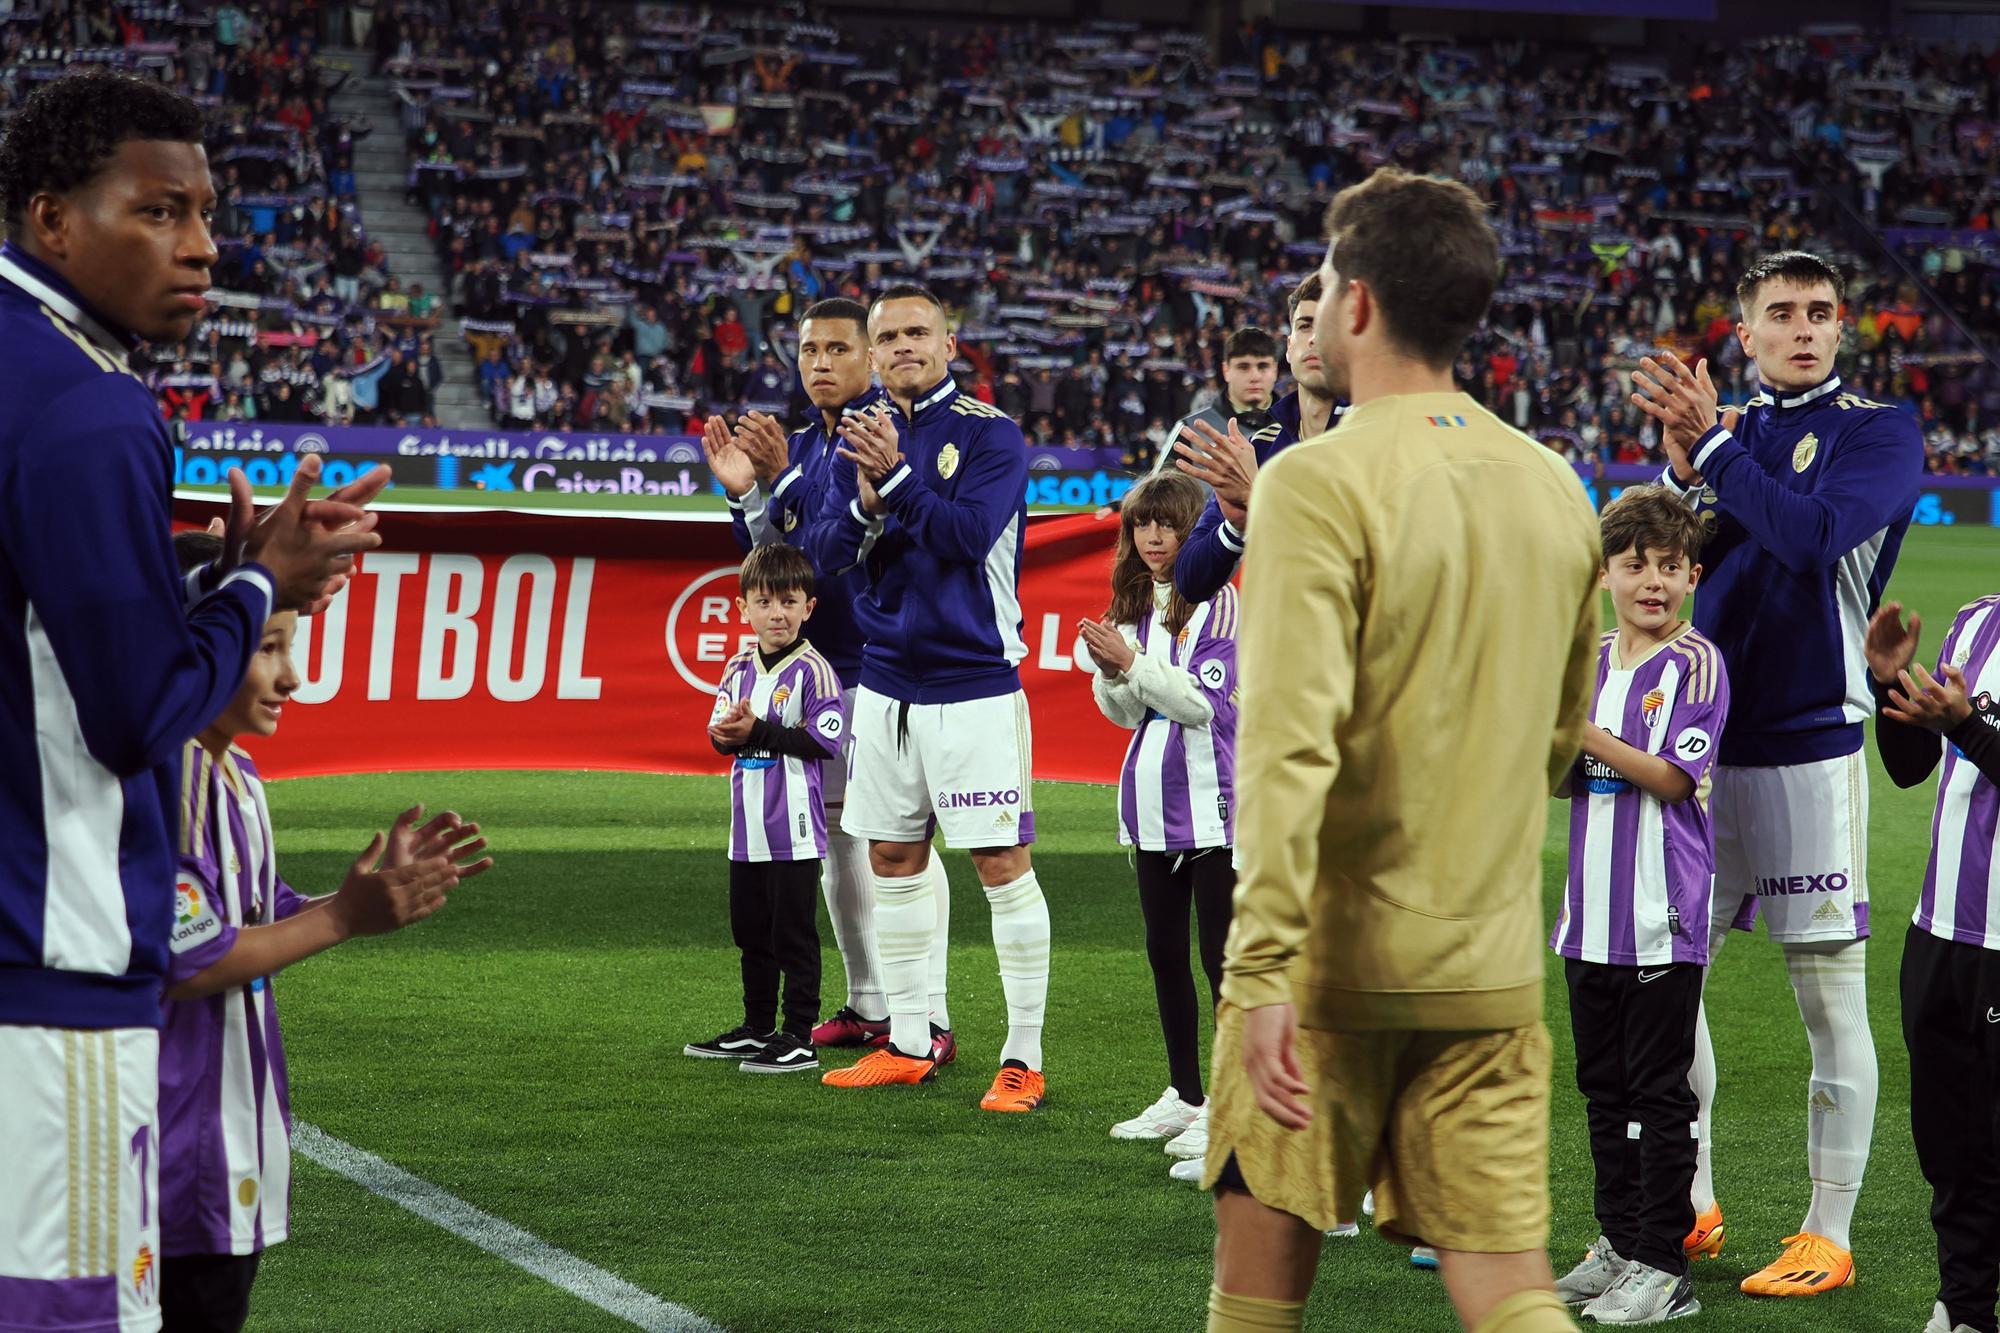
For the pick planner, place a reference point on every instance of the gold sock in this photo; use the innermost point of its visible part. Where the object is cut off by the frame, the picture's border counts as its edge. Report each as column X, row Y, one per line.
column 1528, row 1312
column 1252, row 1314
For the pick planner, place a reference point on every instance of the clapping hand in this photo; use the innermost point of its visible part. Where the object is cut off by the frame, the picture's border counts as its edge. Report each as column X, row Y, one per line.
column 1684, row 402
column 308, row 545
column 872, row 444
column 1107, row 647
column 1890, row 647
column 444, row 835
column 1930, row 703
column 762, row 440
column 726, row 459
column 1228, row 463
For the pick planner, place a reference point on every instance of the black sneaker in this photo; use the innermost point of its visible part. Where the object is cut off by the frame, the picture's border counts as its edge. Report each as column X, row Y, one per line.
column 783, row 1054
column 739, row 1043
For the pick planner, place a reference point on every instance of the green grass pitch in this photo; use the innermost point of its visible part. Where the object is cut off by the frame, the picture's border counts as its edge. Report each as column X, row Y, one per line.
column 523, row 1052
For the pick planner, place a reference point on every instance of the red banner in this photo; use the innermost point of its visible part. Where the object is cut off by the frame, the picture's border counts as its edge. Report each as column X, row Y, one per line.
column 488, row 639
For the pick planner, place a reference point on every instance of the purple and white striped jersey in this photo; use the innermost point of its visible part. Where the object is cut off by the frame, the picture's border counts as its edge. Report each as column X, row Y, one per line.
column 776, row 808
column 1177, row 790
column 225, row 1111
column 1961, row 897
column 1641, row 871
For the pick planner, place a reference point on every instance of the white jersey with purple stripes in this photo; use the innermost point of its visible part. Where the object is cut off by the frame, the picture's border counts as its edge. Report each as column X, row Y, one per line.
column 777, row 810
column 1177, row 790
column 1961, row 897
column 1641, row 871
column 225, row 1110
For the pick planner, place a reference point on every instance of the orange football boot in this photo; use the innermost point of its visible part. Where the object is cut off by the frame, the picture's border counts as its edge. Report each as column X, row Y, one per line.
column 1705, row 1241
column 1015, row 1088
column 1811, row 1265
column 880, row 1069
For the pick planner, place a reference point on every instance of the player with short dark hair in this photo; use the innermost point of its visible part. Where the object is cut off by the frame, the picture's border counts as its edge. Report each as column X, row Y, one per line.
column 1249, row 375
column 1382, row 1015
column 778, row 715
column 934, row 510
column 1810, row 489
column 1227, row 461
column 1630, row 932
column 105, row 188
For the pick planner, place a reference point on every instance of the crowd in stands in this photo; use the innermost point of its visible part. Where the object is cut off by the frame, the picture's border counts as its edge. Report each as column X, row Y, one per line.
column 308, row 325
column 633, row 210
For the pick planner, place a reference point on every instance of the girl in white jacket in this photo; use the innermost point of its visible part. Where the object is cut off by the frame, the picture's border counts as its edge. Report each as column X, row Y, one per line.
column 1167, row 670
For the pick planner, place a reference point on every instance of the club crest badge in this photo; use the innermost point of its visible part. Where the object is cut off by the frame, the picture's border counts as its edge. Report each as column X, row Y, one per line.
column 1807, row 450
column 947, row 461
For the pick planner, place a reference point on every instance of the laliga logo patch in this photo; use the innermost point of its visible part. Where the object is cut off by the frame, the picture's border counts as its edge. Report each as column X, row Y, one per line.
column 187, row 901
column 1807, row 450
column 1650, row 706
column 947, row 461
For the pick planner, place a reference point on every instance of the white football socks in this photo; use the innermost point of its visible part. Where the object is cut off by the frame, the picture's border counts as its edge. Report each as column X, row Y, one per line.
column 849, row 888
column 905, row 919
column 1021, row 940
column 1830, row 980
column 1701, row 1077
column 940, row 940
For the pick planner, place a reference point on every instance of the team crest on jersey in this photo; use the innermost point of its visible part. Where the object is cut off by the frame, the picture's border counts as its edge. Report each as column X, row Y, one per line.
column 1963, row 655
column 1807, row 450
column 1651, row 705
column 947, row 461
column 779, row 695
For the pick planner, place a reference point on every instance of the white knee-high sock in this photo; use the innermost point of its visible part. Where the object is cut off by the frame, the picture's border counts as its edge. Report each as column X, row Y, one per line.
column 1021, row 939
column 1831, row 983
column 904, row 918
column 849, row 888
column 1701, row 1077
column 940, row 939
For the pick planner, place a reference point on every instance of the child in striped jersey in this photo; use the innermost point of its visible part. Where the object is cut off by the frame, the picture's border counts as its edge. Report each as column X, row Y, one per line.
column 1633, row 929
column 225, row 1115
column 1951, row 955
column 1167, row 670
column 778, row 716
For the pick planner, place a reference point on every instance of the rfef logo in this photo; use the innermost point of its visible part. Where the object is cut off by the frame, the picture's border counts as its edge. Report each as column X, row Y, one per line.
column 704, row 630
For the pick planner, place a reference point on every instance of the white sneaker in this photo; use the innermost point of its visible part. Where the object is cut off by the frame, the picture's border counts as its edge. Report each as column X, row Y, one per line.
column 1593, row 1277
column 1342, row 1230
column 1164, row 1119
column 1644, row 1295
column 1423, row 1256
column 1368, row 1204
column 1190, row 1171
column 1941, row 1321
column 1192, row 1141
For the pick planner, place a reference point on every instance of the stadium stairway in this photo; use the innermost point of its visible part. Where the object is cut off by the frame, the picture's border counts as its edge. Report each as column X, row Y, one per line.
column 381, row 174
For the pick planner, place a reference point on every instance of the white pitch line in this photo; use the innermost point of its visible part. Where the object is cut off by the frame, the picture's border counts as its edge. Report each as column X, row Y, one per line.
column 583, row 1280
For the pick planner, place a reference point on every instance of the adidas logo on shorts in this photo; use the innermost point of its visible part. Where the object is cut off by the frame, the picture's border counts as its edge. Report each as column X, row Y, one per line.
column 1829, row 911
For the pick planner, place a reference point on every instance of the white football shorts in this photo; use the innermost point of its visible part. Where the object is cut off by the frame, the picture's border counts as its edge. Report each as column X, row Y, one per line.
column 960, row 767
column 1791, row 845
column 79, row 1200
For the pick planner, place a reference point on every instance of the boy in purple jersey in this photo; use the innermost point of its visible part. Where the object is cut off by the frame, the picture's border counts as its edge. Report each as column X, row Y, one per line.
column 1951, row 956
column 1633, row 931
column 778, row 713
column 224, row 1107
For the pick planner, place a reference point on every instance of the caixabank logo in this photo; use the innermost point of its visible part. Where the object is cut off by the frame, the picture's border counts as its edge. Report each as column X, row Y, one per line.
column 704, row 629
